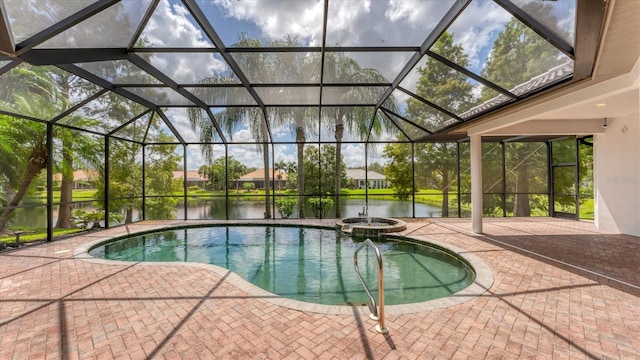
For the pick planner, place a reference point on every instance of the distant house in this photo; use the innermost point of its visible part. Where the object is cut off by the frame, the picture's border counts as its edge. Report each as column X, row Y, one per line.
column 359, row 179
column 82, row 179
column 193, row 178
column 257, row 178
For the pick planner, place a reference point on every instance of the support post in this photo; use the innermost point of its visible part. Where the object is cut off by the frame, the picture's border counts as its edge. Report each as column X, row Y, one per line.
column 475, row 144
column 49, row 184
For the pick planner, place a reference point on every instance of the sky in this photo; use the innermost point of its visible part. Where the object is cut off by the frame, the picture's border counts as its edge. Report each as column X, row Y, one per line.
column 350, row 23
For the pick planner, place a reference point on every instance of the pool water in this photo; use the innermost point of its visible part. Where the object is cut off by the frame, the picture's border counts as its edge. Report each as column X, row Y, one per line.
column 307, row 264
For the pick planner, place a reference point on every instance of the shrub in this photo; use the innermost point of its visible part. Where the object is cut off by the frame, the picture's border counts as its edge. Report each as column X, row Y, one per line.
column 193, row 188
column 91, row 220
column 320, row 206
column 248, row 186
column 285, row 206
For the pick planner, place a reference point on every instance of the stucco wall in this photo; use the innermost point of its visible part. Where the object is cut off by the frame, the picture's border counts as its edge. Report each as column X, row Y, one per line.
column 617, row 175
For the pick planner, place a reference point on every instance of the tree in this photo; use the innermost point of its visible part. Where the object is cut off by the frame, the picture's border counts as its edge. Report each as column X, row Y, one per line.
column 434, row 163
column 319, row 165
column 356, row 120
column 279, row 167
column 377, row 167
column 519, row 54
column 231, row 117
column 399, row 172
column 28, row 159
column 38, row 97
column 437, row 169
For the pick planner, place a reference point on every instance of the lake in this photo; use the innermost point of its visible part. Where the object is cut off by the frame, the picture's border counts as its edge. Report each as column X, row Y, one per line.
column 243, row 208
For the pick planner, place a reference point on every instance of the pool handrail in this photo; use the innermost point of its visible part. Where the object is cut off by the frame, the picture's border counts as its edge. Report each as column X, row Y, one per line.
column 377, row 313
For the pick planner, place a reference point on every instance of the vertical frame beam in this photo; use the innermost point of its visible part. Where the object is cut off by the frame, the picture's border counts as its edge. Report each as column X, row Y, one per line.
column 458, row 177
column 576, row 185
column 185, row 188
column 144, row 182
column 476, row 182
column 504, row 179
column 226, row 181
column 49, row 181
column 413, row 180
column 552, row 210
column 106, row 181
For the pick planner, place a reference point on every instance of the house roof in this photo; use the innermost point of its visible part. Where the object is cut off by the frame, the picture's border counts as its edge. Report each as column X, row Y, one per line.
column 258, row 175
column 192, row 175
column 359, row 174
column 79, row 175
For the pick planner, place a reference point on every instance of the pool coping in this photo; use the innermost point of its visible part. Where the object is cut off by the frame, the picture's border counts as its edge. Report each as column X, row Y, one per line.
column 482, row 283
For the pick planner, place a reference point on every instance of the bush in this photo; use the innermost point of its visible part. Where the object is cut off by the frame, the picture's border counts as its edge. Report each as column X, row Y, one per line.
column 285, row 206
column 193, row 188
column 320, row 206
column 91, row 220
column 248, row 186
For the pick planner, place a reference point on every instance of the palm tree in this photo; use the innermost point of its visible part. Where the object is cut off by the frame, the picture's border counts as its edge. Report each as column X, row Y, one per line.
column 28, row 159
column 284, row 67
column 357, row 120
column 279, row 167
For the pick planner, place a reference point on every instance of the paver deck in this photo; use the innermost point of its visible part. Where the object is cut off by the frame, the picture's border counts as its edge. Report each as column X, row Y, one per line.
column 561, row 290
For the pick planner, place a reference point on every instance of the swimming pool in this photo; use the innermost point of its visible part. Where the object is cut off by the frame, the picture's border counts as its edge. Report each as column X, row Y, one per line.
column 307, row 264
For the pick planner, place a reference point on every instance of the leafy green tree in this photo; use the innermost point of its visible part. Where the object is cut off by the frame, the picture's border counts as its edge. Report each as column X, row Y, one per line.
column 220, row 176
column 519, row 54
column 377, row 167
column 160, row 162
column 436, row 169
column 398, row 171
column 320, row 170
column 435, row 162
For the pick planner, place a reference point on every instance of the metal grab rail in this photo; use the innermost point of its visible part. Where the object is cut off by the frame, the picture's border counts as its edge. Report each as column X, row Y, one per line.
column 376, row 313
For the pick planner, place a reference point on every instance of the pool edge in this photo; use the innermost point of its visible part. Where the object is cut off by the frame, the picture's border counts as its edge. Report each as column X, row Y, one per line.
column 482, row 283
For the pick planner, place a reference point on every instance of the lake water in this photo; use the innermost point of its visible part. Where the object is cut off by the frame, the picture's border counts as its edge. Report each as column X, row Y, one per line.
column 241, row 208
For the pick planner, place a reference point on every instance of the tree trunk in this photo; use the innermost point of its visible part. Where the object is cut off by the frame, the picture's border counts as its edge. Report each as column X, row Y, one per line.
column 128, row 219
column 300, row 139
column 522, row 206
column 36, row 163
column 337, row 185
column 66, row 186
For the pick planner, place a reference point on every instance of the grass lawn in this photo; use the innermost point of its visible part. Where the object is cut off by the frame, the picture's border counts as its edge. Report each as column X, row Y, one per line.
column 33, row 234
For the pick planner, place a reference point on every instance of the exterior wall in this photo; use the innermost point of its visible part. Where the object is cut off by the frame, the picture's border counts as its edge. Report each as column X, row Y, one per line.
column 617, row 176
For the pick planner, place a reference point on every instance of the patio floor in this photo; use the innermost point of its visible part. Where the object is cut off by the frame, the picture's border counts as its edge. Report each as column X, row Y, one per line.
column 561, row 290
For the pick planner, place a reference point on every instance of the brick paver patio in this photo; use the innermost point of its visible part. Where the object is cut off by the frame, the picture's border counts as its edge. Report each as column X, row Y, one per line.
column 561, row 290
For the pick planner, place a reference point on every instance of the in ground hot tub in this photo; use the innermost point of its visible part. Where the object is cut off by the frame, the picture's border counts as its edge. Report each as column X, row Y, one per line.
column 374, row 226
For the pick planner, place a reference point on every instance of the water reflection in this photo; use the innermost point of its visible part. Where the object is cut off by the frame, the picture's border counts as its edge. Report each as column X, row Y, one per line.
column 240, row 208
column 313, row 265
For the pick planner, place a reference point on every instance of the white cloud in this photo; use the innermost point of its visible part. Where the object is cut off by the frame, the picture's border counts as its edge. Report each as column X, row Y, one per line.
column 383, row 23
column 299, row 19
column 286, row 153
column 169, row 26
column 477, row 27
column 353, row 155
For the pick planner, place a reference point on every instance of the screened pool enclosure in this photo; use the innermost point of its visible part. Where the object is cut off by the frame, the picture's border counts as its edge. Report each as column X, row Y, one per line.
column 119, row 111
